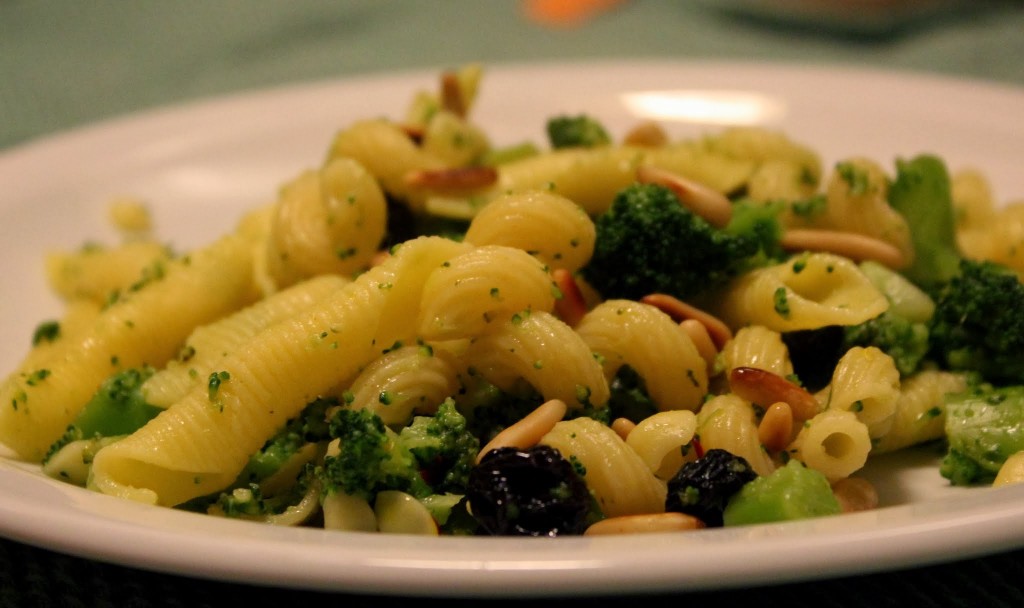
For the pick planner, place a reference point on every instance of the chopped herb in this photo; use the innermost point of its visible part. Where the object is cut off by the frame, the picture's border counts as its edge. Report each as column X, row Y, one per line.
column 37, row 376
column 781, row 303
column 578, row 466
column 213, row 386
column 811, row 207
column 47, row 331
column 855, row 177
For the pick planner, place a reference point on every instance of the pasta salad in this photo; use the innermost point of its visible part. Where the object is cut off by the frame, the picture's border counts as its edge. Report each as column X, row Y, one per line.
column 596, row 334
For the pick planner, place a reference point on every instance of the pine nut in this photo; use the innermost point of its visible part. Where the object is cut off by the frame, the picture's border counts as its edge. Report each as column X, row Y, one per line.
column 451, row 95
column 528, row 431
column 762, row 386
column 571, row 306
column 776, row 428
column 702, row 340
column 855, row 494
column 623, row 427
column 639, row 524
column 710, row 204
column 857, row 247
column 679, row 311
column 648, row 134
column 453, row 178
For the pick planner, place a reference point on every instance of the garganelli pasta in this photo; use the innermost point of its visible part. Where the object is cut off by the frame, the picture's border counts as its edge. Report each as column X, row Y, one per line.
column 341, row 358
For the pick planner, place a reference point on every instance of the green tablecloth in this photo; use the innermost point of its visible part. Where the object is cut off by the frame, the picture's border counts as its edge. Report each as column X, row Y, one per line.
column 64, row 63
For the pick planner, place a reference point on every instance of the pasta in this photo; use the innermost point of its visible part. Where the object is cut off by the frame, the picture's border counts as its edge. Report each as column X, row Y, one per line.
column 810, row 292
column 545, row 353
column 629, row 333
column 551, row 227
column 834, row 442
column 97, row 272
column 145, row 326
column 329, row 221
column 200, row 443
column 407, row 339
column 208, row 344
column 867, row 383
column 757, row 346
column 621, row 482
column 480, row 290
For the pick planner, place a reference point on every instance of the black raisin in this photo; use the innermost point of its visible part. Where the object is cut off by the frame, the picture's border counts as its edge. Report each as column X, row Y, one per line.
column 534, row 492
column 814, row 353
column 703, row 487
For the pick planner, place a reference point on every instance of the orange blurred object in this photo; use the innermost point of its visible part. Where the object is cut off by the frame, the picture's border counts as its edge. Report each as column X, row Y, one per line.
column 565, row 13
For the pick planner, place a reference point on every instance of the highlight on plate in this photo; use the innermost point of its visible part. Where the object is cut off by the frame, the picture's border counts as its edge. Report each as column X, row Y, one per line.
column 595, row 334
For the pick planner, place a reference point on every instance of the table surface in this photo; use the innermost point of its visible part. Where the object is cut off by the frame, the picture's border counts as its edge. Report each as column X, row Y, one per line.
column 66, row 63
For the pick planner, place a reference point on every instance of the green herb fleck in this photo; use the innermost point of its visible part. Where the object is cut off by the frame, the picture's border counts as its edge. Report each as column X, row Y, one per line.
column 781, row 303
column 47, row 331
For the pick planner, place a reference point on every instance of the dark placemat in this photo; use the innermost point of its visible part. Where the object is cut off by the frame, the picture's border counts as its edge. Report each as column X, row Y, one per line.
column 30, row 576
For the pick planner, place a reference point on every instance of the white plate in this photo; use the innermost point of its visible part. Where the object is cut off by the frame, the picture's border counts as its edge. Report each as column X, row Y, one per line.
column 201, row 165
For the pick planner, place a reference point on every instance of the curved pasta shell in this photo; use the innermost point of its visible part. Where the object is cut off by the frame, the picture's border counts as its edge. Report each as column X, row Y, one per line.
column 625, row 332
column 863, row 207
column 590, row 177
column 551, row 227
column 210, row 343
column 807, row 292
column 618, row 478
column 920, row 410
column 866, row 382
column 329, row 221
column 95, row 273
column 199, row 444
column 480, row 290
column 660, row 438
column 760, row 347
column 727, row 422
column 546, row 353
column 405, row 381
column 144, row 327
column 387, row 153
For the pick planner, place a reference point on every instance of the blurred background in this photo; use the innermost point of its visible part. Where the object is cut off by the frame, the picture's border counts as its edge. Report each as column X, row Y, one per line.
column 68, row 62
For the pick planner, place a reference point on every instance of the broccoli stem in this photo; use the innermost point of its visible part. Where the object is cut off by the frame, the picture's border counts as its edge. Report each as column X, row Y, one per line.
column 984, row 427
column 791, row 492
column 922, row 194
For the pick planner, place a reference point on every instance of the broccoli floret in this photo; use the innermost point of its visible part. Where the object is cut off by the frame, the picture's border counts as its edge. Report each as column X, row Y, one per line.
column 984, row 426
column 242, row 502
column 977, row 324
column 903, row 340
column 576, row 131
column 921, row 193
column 432, row 456
column 443, row 446
column 370, row 458
column 310, row 426
column 117, row 408
column 759, row 222
column 901, row 331
column 251, row 501
column 647, row 242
